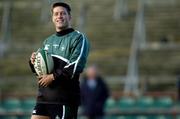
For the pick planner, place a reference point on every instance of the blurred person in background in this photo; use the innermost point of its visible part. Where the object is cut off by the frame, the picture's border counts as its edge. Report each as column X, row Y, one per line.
column 94, row 94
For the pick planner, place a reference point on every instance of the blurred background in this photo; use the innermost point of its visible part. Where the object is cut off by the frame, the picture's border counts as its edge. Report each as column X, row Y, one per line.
column 135, row 44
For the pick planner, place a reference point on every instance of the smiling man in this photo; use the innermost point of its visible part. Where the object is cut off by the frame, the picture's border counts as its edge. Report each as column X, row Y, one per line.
column 59, row 92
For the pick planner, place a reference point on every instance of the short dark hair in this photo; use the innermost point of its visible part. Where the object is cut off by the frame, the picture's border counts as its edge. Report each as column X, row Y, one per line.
column 62, row 4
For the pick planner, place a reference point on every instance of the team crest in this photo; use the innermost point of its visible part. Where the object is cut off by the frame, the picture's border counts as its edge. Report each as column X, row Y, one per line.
column 46, row 47
column 55, row 45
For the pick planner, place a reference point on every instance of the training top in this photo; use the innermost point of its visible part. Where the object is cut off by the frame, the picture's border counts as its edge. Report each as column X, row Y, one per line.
column 69, row 49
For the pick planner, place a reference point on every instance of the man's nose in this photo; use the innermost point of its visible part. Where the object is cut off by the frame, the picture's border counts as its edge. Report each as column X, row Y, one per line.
column 59, row 16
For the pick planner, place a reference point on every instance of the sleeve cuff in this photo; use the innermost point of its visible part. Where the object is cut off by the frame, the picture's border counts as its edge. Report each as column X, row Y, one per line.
column 32, row 67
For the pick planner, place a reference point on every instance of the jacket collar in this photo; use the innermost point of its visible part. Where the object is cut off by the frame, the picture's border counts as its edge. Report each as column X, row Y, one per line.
column 64, row 32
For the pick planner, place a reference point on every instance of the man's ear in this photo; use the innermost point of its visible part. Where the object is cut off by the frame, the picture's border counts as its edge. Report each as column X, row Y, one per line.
column 70, row 17
column 52, row 15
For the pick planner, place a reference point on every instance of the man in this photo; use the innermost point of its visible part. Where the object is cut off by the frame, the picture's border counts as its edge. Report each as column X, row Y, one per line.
column 59, row 92
column 94, row 93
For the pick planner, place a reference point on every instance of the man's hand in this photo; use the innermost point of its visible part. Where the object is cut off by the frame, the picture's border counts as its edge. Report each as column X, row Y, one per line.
column 32, row 58
column 45, row 80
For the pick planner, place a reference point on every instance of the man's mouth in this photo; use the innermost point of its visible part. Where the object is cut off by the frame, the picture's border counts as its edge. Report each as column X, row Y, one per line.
column 59, row 21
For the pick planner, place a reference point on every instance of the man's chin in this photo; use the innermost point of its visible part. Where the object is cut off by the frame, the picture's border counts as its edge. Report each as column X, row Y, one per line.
column 62, row 27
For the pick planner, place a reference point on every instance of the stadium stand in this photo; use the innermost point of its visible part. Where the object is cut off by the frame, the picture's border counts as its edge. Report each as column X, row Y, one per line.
column 145, row 102
column 143, row 107
column 164, row 102
column 126, row 103
column 28, row 104
column 12, row 105
column 111, row 103
column 110, row 42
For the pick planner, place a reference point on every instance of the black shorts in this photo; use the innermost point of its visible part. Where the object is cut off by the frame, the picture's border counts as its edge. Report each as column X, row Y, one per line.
column 56, row 111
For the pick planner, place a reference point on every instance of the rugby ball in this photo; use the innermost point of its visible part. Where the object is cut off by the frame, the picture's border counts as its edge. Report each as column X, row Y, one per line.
column 43, row 63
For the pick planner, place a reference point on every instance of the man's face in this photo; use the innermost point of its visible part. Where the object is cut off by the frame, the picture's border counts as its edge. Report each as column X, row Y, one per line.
column 61, row 18
column 91, row 72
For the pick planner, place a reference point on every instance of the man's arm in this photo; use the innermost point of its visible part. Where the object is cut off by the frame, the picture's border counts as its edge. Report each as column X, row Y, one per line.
column 77, row 61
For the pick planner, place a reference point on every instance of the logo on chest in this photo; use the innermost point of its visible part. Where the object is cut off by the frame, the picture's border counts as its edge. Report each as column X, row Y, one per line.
column 62, row 48
column 55, row 46
column 46, row 47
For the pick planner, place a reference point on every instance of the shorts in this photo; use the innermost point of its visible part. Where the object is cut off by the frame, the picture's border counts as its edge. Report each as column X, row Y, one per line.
column 56, row 111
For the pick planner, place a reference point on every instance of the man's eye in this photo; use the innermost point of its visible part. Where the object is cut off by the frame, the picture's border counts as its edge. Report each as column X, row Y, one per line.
column 63, row 13
column 55, row 14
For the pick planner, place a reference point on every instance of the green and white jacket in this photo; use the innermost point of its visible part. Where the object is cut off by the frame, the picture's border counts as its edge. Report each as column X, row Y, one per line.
column 69, row 49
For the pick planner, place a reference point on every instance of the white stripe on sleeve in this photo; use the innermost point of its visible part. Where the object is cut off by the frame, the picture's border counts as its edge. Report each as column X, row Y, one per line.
column 60, row 57
column 77, row 61
column 63, row 115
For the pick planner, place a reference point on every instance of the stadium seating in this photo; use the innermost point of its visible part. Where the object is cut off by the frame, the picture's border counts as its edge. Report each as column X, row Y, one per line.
column 17, row 106
column 126, row 103
column 162, row 117
column 111, row 104
column 106, row 41
column 28, row 104
column 12, row 105
column 141, row 117
column 10, row 117
column 25, row 117
column 124, row 117
column 1, row 108
column 164, row 102
column 145, row 102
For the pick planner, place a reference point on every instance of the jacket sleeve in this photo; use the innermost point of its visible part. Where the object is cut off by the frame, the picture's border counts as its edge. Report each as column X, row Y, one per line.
column 32, row 67
column 77, row 60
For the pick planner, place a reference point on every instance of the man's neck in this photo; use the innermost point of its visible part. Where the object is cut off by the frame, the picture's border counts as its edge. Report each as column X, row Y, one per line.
column 62, row 29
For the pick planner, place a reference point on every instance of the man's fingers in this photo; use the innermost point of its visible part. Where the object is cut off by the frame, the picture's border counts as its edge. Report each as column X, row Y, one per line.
column 33, row 57
column 39, row 82
column 42, row 82
column 39, row 77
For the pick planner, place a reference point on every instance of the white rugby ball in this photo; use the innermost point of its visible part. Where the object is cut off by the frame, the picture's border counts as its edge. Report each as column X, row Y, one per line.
column 43, row 63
